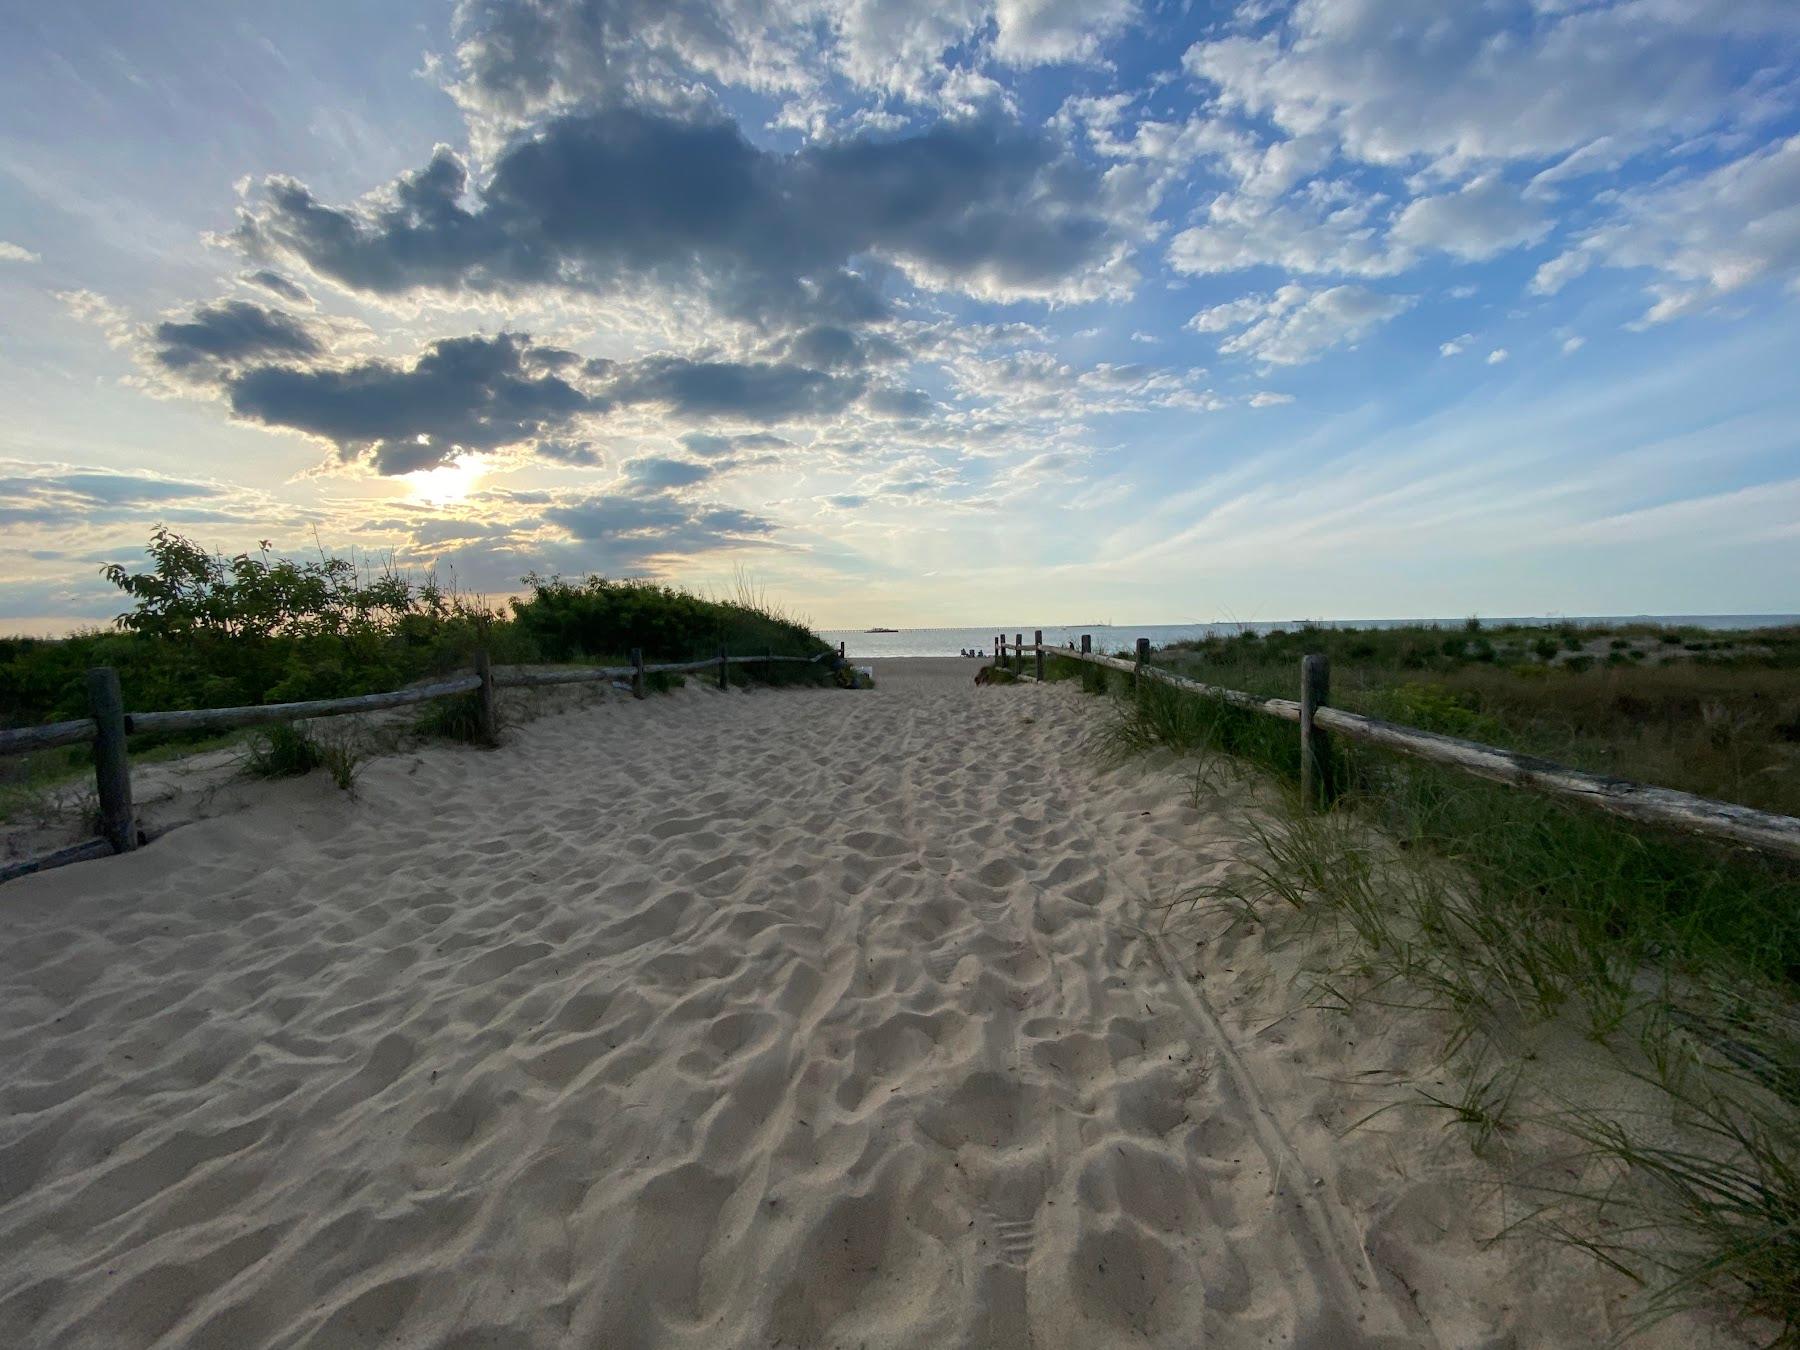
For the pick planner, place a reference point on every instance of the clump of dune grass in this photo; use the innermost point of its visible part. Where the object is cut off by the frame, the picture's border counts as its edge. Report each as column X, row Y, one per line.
column 283, row 750
column 343, row 760
column 457, row 718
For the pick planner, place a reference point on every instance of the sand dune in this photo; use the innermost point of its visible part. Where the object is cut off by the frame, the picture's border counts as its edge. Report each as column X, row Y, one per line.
column 774, row 1019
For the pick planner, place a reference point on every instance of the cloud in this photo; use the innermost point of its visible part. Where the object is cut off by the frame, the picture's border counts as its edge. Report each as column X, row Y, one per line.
column 1498, row 356
column 65, row 496
column 1334, row 227
column 15, row 253
column 276, row 284
column 477, row 394
column 661, row 472
column 517, row 59
column 637, row 528
column 1456, row 346
column 751, row 391
column 1571, row 345
column 1485, row 218
column 620, row 198
column 1265, row 399
column 1467, row 84
column 1325, row 230
column 1702, row 237
column 1294, row 325
column 229, row 332
column 460, row 395
column 711, row 445
column 1042, row 32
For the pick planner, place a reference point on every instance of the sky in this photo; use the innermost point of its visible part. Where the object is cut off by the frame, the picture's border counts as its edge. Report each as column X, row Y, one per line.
column 915, row 312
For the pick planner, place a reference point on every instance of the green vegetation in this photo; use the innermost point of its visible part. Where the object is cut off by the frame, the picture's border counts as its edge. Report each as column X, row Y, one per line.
column 205, row 631
column 1723, row 722
column 283, row 750
column 1506, row 912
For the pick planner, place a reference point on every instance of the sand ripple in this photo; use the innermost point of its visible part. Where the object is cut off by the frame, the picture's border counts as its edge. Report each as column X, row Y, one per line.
column 797, row 1019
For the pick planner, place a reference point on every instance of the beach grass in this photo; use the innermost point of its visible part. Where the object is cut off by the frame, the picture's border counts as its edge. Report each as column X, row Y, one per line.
column 1501, row 910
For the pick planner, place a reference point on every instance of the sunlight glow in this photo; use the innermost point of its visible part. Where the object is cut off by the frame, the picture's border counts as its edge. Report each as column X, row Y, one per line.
column 447, row 483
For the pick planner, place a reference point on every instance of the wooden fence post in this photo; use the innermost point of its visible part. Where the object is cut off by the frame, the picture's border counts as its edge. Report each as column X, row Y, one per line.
column 487, row 719
column 1018, row 653
column 1315, row 744
column 723, row 682
column 841, row 655
column 1087, row 643
column 1037, row 638
column 637, row 672
column 1143, row 655
column 112, row 765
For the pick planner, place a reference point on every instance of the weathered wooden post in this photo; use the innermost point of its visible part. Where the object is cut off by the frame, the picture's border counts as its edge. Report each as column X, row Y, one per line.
column 1037, row 638
column 1018, row 653
column 637, row 672
column 112, row 764
column 1087, row 643
column 723, row 663
column 841, row 654
column 1143, row 655
column 487, row 717
column 1315, row 744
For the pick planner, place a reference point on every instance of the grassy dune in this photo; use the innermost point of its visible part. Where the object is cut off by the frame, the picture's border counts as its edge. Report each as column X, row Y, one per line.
column 1513, row 915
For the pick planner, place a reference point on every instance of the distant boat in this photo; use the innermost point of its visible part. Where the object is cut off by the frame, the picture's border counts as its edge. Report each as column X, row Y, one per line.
column 881, row 630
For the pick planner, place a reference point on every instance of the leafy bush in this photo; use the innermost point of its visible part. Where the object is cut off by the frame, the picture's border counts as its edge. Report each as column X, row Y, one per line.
column 204, row 631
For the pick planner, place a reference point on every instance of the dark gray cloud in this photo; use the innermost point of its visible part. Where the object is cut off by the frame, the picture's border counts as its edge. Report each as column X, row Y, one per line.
column 752, row 391
column 661, row 472
column 629, row 532
column 834, row 347
column 229, row 332
column 66, row 497
column 709, row 444
column 622, row 196
column 276, row 284
column 889, row 401
column 468, row 393
column 476, row 393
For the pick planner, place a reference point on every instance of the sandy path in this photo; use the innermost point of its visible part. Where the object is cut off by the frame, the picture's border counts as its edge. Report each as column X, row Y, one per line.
column 782, row 1019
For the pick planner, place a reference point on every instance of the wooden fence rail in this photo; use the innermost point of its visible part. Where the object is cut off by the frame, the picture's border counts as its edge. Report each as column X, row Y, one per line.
column 110, row 725
column 1647, row 805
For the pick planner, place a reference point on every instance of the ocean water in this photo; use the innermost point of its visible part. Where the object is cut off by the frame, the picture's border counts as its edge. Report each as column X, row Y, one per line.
column 1122, row 637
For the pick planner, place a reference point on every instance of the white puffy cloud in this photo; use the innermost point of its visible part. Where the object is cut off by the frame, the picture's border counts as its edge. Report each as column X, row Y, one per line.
column 1409, row 80
column 517, row 59
column 1322, row 231
column 1703, row 237
column 15, row 253
column 1486, row 218
column 1295, row 325
column 1041, row 32
column 1498, row 356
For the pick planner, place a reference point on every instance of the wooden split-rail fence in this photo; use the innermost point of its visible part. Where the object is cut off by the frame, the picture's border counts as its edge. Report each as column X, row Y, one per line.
column 109, row 727
column 1319, row 721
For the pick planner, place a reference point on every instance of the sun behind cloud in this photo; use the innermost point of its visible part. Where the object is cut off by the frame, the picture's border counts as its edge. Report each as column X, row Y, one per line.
column 448, row 483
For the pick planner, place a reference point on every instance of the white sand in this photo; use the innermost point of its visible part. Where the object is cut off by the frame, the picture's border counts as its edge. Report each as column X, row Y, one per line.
column 804, row 1018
